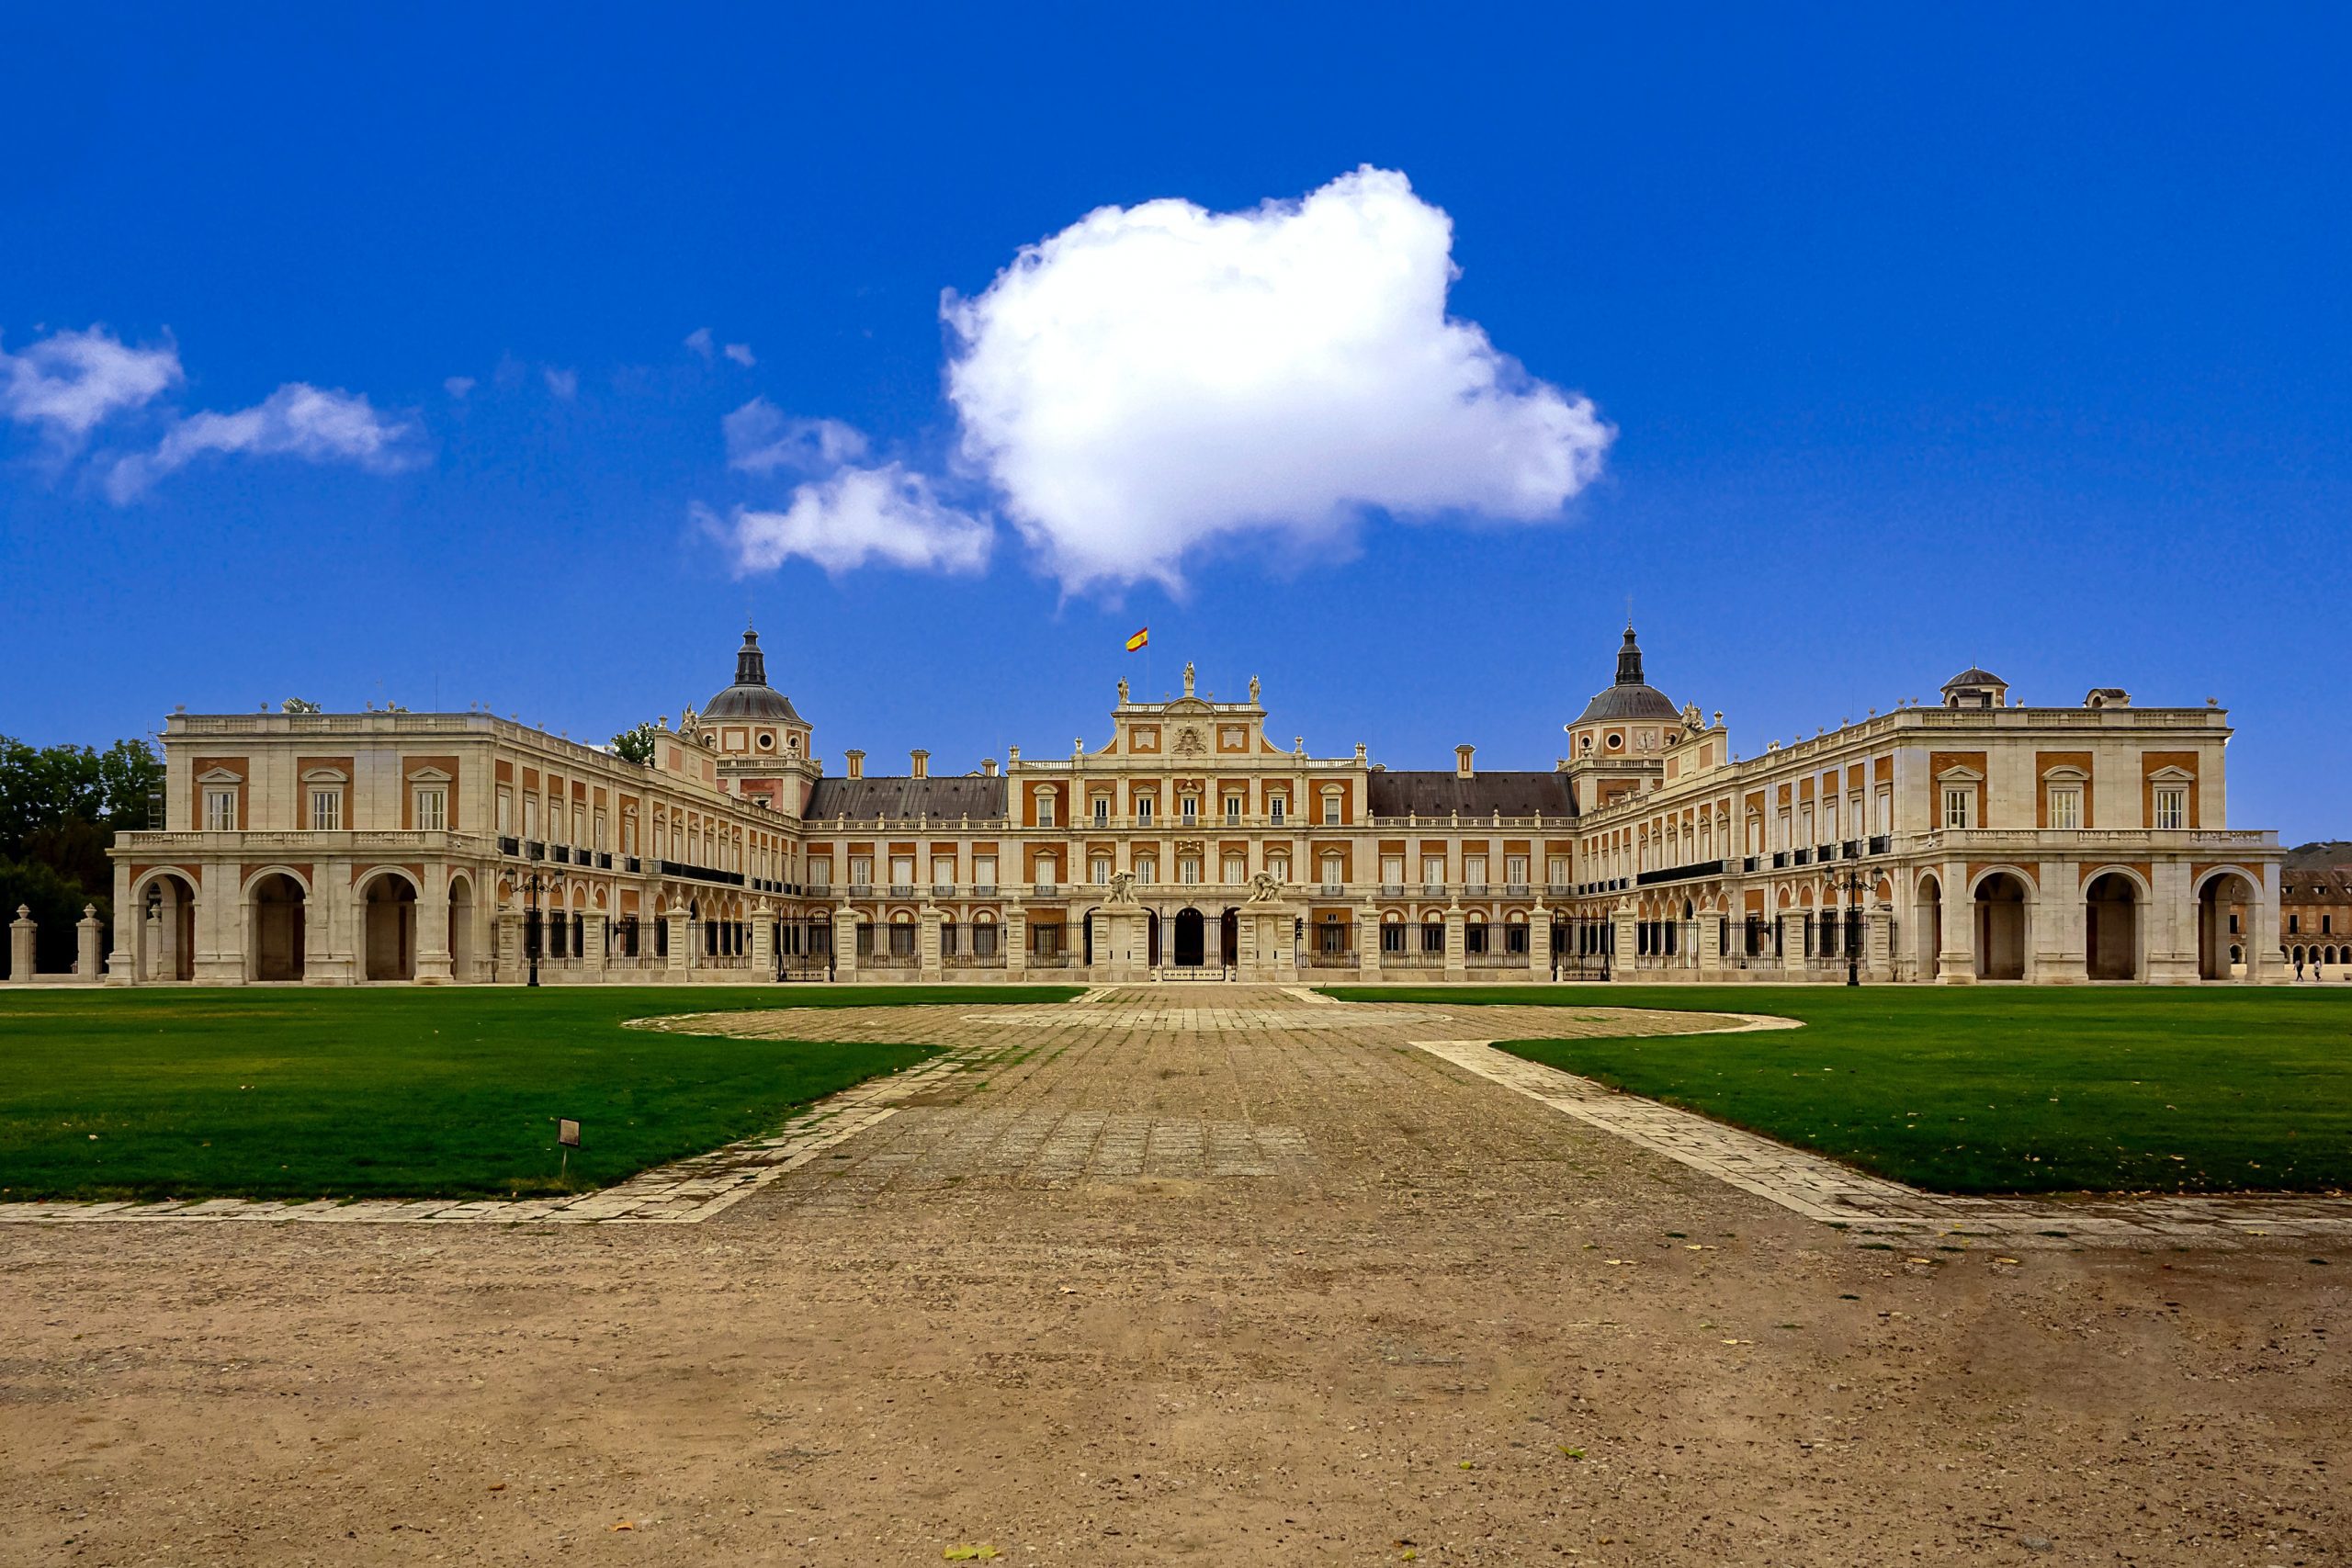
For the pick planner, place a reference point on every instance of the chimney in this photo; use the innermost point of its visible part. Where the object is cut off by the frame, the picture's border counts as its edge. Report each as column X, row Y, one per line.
column 988, row 766
column 919, row 760
column 1461, row 761
column 856, row 761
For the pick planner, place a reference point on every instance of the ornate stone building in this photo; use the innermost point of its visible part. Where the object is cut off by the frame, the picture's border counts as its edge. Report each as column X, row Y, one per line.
column 1976, row 839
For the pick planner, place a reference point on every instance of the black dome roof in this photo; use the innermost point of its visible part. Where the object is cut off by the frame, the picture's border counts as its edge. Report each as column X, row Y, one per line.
column 1631, row 697
column 750, row 696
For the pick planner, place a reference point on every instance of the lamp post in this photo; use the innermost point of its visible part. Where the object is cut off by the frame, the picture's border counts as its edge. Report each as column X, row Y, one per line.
column 531, row 880
column 1849, row 880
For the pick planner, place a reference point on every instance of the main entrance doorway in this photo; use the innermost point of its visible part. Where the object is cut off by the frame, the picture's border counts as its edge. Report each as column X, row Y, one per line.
column 1191, row 944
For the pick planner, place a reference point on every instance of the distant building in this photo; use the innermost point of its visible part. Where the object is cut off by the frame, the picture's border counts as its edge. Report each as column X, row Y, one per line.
column 1975, row 839
column 2315, row 910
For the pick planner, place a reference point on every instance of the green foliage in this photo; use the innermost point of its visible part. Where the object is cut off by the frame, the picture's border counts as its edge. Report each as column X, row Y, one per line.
column 48, row 787
column 634, row 744
column 56, row 904
column 1983, row 1089
column 306, row 1093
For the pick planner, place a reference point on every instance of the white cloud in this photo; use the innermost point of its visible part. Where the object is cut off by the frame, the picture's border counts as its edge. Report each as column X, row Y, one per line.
column 69, row 383
column 761, row 438
column 458, row 386
column 886, row 515
column 296, row 420
column 700, row 340
column 564, row 384
column 1155, row 378
column 741, row 353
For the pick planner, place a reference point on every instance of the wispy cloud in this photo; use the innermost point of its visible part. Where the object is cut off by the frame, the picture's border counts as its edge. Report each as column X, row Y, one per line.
column 741, row 353
column 69, row 383
column 296, row 420
column 702, row 342
column 762, row 439
column 458, row 386
column 564, row 384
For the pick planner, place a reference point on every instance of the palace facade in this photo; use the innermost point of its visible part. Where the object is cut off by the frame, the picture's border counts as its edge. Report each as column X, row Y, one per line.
column 1976, row 840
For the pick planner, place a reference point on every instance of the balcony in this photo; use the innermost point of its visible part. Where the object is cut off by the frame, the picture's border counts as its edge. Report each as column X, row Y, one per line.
column 1881, row 842
column 1474, row 890
column 1046, row 890
column 1333, row 890
column 983, row 889
column 509, row 845
column 1392, row 890
column 534, row 850
column 691, row 873
column 902, row 890
column 861, row 890
column 560, row 854
column 1432, row 889
column 943, row 891
column 1557, row 890
column 1514, row 889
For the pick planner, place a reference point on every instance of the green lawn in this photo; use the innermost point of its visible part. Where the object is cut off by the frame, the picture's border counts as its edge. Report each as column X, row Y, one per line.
column 1998, row 1089
column 304, row 1093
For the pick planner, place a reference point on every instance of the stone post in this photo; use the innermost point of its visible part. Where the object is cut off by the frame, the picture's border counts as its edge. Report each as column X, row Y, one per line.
column 1539, row 944
column 591, row 946
column 1878, row 958
column 159, row 966
column 1245, row 941
column 20, row 944
column 682, row 937
column 87, row 932
column 845, row 943
column 511, row 966
column 1628, row 941
column 1016, row 940
column 930, row 963
column 1792, row 943
column 762, row 943
column 1711, row 946
column 1368, row 941
column 1457, row 959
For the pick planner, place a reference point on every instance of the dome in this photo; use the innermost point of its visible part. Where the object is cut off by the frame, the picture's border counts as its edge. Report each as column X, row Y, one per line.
column 750, row 696
column 1973, row 676
column 1631, row 697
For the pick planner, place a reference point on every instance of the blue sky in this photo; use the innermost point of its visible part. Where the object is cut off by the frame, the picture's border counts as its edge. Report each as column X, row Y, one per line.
column 1911, row 342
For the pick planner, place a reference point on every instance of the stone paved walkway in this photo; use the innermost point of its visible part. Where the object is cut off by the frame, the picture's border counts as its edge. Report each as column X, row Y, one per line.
column 980, row 1113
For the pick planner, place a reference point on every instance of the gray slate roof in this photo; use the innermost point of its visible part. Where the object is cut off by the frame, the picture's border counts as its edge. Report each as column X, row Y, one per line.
column 981, row 798
column 1482, row 795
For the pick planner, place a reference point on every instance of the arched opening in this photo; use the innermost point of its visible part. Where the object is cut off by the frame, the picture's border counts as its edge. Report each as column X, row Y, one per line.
column 461, row 929
column 1927, row 927
column 388, row 929
column 1190, row 938
column 2225, row 906
column 1086, row 938
column 1151, row 927
column 2111, row 928
column 2000, row 928
column 275, row 943
column 167, row 930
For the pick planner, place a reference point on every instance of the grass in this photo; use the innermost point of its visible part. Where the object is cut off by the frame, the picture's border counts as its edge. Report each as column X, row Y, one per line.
column 1997, row 1089
column 307, row 1093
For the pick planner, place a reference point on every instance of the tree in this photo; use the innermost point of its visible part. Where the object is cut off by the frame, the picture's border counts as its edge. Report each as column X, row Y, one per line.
column 634, row 744
column 60, row 808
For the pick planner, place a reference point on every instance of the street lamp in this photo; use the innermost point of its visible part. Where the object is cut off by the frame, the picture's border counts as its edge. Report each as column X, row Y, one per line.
column 1850, row 880
column 531, row 880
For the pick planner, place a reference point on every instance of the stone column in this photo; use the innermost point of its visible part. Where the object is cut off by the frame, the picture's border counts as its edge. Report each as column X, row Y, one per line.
column 87, row 931
column 122, row 966
column 591, row 946
column 1016, row 939
column 433, row 928
column 845, row 943
column 2261, row 936
column 2060, row 924
column 2171, row 925
column 1457, row 957
column 682, row 937
column 20, row 944
column 1956, row 964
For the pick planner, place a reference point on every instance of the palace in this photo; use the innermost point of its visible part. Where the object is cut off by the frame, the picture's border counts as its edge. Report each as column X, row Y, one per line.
column 1976, row 840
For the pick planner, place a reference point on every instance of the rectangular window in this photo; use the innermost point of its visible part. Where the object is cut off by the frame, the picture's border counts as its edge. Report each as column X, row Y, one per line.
column 1236, row 869
column 1143, row 808
column 603, row 841
column 1515, row 939
column 326, row 810
column 1473, row 937
column 220, row 810
column 1959, row 807
column 984, row 941
column 2065, row 806
column 1332, row 876
column 433, row 809
column 1046, row 808
column 1433, row 871
column 1882, row 807
column 530, row 817
column 1555, row 871
column 1233, row 811
column 1189, row 809
column 1146, row 869
column 902, row 871
column 942, row 871
column 1188, row 869
column 1101, row 810
column 1392, row 938
column 820, row 873
column 1274, row 809
column 505, row 812
column 861, row 871
column 984, row 871
column 1098, row 870
column 1391, row 871
column 2172, row 807
column 1515, row 870
column 1474, row 870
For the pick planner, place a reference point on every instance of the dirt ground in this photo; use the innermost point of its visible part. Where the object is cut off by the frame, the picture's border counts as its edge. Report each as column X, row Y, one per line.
column 1256, row 1284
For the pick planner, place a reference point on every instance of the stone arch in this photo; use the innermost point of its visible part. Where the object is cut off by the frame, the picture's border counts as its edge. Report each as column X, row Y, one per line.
column 277, row 907
column 461, row 928
column 387, row 898
column 2115, row 902
column 1927, row 927
column 2220, row 891
column 162, row 907
column 2001, row 899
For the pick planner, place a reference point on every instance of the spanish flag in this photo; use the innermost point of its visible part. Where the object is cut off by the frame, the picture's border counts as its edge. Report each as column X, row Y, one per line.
column 1140, row 638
